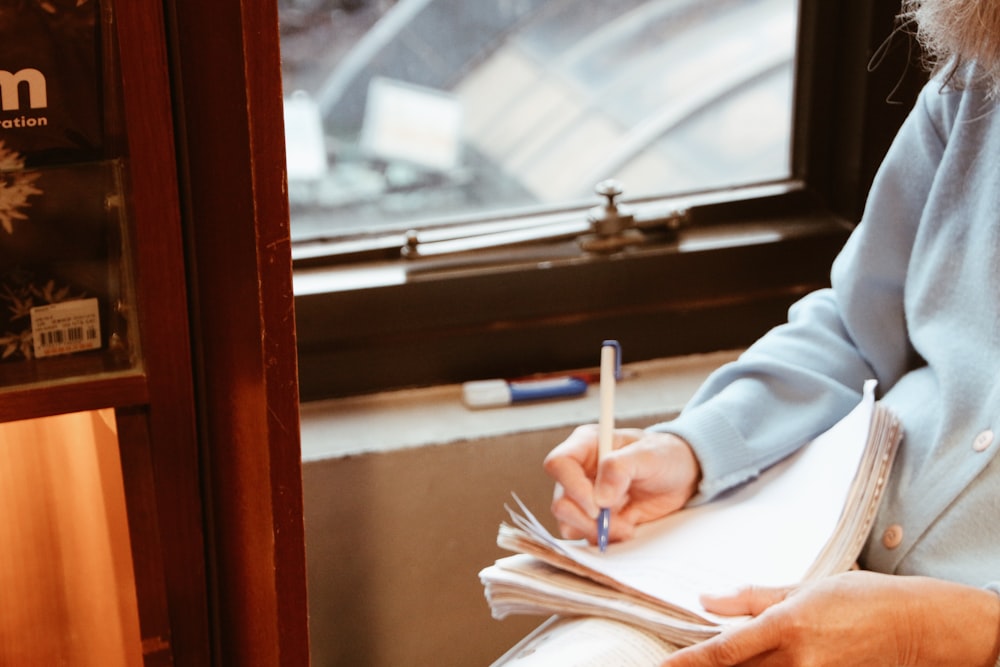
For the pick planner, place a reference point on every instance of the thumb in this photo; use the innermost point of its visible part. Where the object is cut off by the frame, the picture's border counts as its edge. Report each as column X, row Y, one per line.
column 614, row 477
column 752, row 600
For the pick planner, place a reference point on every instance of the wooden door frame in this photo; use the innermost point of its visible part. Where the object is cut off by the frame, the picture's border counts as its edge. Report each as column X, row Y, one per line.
column 228, row 108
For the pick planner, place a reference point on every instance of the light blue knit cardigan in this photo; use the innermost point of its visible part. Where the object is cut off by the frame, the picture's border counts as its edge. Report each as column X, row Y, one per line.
column 914, row 303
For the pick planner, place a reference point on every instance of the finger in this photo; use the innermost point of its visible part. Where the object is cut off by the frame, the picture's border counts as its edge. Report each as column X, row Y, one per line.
column 572, row 532
column 621, row 528
column 574, row 523
column 647, row 458
column 572, row 464
column 618, row 530
column 737, row 645
column 624, row 437
column 615, row 476
column 581, row 444
column 752, row 600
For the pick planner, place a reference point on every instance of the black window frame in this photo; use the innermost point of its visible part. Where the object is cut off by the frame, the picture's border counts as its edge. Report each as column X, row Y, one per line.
column 857, row 75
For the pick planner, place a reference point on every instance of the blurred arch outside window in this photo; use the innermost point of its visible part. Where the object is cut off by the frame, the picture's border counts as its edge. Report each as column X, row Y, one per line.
column 409, row 113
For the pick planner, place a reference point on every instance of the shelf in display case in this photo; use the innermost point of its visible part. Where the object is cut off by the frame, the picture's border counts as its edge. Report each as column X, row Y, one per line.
column 67, row 302
column 85, row 390
column 67, row 306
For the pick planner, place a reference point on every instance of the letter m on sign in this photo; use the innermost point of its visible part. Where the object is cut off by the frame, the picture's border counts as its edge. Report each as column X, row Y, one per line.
column 10, row 84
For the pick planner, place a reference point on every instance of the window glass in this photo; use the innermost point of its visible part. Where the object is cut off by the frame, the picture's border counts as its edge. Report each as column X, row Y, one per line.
column 402, row 113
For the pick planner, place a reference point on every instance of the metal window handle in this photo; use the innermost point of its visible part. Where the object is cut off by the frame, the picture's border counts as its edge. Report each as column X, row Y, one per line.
column 612, row 225
column 608, row 228
column 610, row 219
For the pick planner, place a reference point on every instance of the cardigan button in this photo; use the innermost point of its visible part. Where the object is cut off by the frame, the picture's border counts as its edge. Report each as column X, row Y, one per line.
column 893, row 536
column 983, row 441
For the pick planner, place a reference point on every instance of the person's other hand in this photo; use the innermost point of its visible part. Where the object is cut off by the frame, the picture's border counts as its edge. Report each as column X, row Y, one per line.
column 647, row 475
column 855, row 618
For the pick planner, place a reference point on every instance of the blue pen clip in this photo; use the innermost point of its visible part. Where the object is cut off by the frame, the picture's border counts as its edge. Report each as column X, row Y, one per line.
column 618, row 356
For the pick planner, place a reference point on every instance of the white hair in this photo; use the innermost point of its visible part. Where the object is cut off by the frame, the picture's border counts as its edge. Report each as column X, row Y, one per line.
column 955, row 33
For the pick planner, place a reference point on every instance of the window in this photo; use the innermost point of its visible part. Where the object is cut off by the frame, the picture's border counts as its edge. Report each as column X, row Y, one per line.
column 437, row 230
column 527, row 104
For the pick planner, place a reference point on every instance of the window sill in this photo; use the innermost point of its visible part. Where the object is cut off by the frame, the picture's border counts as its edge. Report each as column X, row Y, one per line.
column 654, row 390
column 718, row 286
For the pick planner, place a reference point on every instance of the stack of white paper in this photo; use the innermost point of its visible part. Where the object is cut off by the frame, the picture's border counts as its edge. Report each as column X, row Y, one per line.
column 804, row 518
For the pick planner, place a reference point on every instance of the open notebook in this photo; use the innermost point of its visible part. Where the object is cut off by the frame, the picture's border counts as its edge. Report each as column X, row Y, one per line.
column 803, row 518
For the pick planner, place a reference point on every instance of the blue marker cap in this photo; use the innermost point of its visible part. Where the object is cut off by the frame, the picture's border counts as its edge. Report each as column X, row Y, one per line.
column 493, row 393
column 559, row 387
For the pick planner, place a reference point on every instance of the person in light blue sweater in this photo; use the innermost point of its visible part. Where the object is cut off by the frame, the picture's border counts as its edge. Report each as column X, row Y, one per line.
column 914, row 302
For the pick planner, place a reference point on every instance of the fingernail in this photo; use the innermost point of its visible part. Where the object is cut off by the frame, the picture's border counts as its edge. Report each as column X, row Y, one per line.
column 600, row 500
column 722, row 594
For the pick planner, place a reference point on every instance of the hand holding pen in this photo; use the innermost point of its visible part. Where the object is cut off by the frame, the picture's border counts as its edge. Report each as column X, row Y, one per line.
column 644, row 476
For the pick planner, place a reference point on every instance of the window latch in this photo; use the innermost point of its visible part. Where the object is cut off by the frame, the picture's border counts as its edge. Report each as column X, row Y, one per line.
column 610, row 227
column 614, row 227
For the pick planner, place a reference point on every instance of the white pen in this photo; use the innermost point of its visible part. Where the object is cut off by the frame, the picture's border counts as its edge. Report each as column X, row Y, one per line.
column 610, row 369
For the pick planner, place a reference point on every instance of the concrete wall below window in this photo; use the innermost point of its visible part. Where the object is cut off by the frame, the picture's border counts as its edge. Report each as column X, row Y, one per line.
column 396, row 535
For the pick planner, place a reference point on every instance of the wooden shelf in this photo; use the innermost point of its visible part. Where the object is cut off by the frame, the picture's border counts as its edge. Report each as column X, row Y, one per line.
column 44, row 399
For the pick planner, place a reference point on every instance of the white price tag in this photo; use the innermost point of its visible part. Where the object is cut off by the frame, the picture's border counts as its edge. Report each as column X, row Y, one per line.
column 64, row 328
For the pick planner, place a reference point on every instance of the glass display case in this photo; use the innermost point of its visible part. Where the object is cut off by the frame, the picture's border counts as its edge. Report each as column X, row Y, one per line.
column 67, row 302
column 134, row 190
column 91, row 262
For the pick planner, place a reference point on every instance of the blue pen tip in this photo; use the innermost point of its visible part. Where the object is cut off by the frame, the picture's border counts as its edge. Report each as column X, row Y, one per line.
column 603, row 524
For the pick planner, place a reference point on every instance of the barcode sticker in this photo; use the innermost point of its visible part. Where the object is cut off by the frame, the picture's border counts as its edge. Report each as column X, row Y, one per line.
column 64, row 328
